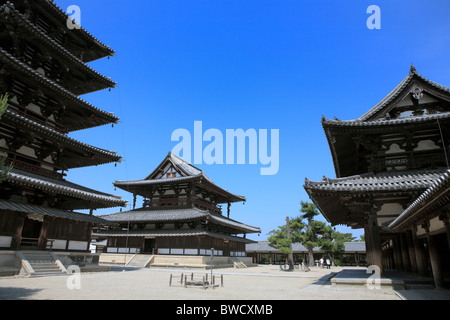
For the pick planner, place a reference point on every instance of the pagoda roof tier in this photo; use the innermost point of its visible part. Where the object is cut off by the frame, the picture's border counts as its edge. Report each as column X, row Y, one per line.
column 416, row 109
column 82, row 114
column 52, row 212
column 83, row 79
column 76, row 154
column 148, row 215
column 404, row 89
column 71, row 196
column 363, row 183
column 435, row 198
column 181, row 172
column 333, row 197
column 384, row 124
column 168, row 233
column 53, row 20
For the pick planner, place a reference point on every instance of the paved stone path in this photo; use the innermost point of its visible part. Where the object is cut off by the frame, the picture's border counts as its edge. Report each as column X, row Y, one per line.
column 259, row 283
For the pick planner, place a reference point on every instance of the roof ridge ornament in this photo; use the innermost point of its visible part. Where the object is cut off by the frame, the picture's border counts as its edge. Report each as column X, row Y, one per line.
column 417, row 92
column 412, row 69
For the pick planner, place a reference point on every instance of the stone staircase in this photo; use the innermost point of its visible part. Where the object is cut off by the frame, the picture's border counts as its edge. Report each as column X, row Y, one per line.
column 238, row 263
column 140, row 260
column 40, row 263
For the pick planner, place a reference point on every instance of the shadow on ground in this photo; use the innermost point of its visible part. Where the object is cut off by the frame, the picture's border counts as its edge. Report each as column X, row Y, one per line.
column 324, row 280
column 16, row 293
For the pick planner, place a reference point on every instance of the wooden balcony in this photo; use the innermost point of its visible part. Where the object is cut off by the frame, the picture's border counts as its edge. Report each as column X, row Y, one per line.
column 176, row 201
column 407, row 162
column 34, row 168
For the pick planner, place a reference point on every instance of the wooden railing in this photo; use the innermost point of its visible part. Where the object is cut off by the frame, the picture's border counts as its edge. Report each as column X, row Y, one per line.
column 409, row 162
column 182, row 202
column 37, row 118
column 33, row 166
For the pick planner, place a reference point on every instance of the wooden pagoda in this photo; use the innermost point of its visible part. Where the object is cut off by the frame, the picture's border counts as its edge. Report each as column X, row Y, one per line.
column 386, row 161
column 181, row 214
column 43, row 70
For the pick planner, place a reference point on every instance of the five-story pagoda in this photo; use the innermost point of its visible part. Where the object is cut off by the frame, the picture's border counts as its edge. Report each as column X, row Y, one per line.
column 43, row 70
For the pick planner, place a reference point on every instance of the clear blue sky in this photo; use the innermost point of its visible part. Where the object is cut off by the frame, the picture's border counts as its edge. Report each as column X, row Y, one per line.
column 278, row 64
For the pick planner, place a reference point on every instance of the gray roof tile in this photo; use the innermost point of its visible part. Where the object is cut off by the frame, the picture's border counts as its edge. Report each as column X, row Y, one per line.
column 53, row 212
column 167, row 233
column 407, row 180
column 63, row 187
column 264, row 246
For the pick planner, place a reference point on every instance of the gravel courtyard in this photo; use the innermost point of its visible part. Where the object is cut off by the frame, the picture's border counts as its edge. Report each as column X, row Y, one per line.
column 257, row 283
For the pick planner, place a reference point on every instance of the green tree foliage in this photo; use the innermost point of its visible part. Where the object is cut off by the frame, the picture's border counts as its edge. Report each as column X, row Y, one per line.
column 311, row 234
column 310, row 237
column 3, row 171
column 278, row 237
column 332, row 242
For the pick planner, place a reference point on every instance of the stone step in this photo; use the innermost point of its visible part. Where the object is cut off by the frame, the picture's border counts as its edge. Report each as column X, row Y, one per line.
column 42, row 263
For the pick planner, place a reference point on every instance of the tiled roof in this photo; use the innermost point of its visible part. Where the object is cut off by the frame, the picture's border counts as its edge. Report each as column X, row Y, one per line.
column 367, row 119
column 437, row 186
column 155, row 215
column 144, row 182
column 413, row 74
column 188, row 171
column 53, row 212
column 417, row 180
column 175, row 214
column 108, row 156
column 24, row 178
column 264, row 246
column 9, row 9
column 28, row 72
column 79, row 31
column 168, row 233
column 385, row 122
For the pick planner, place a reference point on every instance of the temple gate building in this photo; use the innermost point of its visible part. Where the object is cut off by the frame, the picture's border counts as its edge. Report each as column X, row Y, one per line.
column 181, row 215
column 43, row 70
column 392, row 178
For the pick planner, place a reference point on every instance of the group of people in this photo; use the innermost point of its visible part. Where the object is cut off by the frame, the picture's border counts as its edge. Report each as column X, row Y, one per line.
column 327, row 263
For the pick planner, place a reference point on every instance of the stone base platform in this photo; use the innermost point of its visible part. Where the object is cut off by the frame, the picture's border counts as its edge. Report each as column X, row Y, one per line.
column 390, row 280
column 181, row 261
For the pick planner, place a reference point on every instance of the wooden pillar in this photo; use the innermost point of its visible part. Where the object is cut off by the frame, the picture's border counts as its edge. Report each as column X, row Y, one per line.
column 368, row 246
column 445, row 219
column 42, row 242
column 405, row 253
column 435, row 260
column 397, row 253
column 373, row 238
column 17, row 237
column 419, row 252
column 412, row 253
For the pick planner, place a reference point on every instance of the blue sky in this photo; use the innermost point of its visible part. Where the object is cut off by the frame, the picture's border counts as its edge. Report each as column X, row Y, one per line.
column 261, row 64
